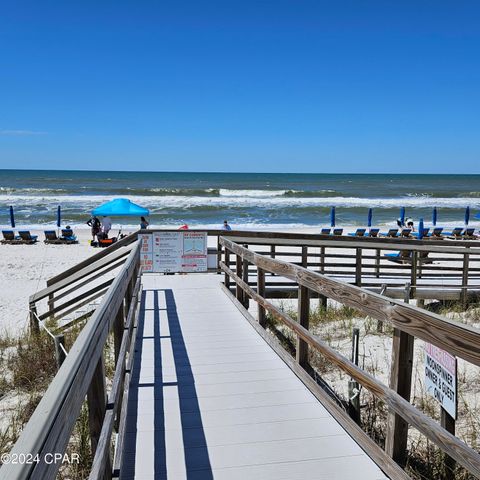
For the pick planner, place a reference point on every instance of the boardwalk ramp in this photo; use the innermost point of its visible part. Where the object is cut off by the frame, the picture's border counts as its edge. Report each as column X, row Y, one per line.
column 210, row 399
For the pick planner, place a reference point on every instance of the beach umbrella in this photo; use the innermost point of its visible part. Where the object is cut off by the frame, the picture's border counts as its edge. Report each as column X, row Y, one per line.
column 369, row 217
column 420, row 229
column 59, row 216
column 402, row 215
column 434, row 216
column 332, row 217
column 12, row 217
column 120, row 207
column 467, row 215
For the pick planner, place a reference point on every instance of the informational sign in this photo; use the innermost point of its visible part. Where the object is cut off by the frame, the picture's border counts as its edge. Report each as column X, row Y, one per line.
column 146, row 252
column 441, row 378
column 174, row 252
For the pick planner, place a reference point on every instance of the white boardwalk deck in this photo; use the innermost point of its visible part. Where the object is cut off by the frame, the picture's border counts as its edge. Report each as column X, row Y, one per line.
column 209, row 399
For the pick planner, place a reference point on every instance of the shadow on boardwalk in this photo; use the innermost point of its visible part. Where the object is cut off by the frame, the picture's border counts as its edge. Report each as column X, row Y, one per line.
column 196, row 458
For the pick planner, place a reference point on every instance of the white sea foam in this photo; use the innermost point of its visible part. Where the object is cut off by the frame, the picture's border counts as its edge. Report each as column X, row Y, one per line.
column 158, row 203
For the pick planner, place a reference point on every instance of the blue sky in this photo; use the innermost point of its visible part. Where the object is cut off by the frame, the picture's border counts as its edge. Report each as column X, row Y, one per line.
column 307, row 86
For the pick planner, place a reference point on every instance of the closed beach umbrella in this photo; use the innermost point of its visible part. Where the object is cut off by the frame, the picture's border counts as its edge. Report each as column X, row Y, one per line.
column 420, row 229
column 332, row 217
column 12, row 217
column 434, row 216
column 467, row 215
column 120, row 207
column 402, row 215
column 369, row 217
column 59, row 216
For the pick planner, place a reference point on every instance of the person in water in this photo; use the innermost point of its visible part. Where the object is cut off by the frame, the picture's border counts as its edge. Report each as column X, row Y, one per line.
column 144, row 223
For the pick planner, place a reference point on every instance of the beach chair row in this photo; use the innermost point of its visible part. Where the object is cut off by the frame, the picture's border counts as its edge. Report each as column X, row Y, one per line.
column 24, row 237
column 437, row 232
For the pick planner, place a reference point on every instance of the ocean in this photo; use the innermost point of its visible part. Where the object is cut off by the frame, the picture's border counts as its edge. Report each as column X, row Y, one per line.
column 246, row 200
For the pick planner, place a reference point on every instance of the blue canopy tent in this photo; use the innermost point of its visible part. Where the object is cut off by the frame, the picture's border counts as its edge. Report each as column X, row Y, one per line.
column 332, row 217
column 12, row 217
column 434, row 216
column 120, row 207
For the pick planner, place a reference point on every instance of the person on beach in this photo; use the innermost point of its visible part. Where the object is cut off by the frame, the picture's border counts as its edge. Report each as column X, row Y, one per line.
column 95, row 225
column 183, row 227
column 144, row 223
column 226, row 226
column 410, row 225
column 106, row 226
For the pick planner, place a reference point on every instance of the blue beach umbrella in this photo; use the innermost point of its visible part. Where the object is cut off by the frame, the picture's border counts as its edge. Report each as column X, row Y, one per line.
column 120, row 207
column 467, row 215
column 369, row 217
column 12, row 217
column 332, row 217
column 59, row 216
column 434, row 216
column 420, row 229
column 402, row 215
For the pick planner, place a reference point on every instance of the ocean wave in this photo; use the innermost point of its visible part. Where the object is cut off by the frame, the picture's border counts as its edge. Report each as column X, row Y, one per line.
column 29, row 191
column 160, row 202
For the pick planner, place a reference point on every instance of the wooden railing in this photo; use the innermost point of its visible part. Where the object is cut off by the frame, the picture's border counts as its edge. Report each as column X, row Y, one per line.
column 409, row 322
column 82, row 375
column 444, row 270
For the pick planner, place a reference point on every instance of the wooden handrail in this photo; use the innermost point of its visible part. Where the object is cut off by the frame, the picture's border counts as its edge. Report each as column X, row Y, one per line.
column 459, row 339
column 50, row 426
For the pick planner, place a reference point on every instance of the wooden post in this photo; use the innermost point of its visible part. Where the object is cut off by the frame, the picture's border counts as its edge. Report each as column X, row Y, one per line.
column 401, row 382
column 353, row 387
column 383, row 291
column 118, row 329
column 322, row 259
column 219, row 254
column 464, row 291
column 377, row 263
column 34, row 326
column 97, row 401
column 448, row 423
column 227, row 263
column 59, row 353
column 245, row 279
column 272, row 251
column 303, row 319
column 51, row 302
column 358, row 268
column 261, row 291
column 413, row 274
column 238, row 290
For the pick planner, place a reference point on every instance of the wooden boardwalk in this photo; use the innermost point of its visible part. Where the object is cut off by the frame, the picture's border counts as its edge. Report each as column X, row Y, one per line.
column 209, row 399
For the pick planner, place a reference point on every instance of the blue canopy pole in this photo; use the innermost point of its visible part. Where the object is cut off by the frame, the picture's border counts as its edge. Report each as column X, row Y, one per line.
column 59, row 216
column 332, row 217
column 369, row 217
column 434, row 216
column 467, row 215
column 402, row 216
column 420, row 229
column 12, row 217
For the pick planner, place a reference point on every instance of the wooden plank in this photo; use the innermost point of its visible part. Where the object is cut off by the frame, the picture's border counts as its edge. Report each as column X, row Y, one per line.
column 458, row 450
column 303, row 318
column 358, row 268
column 459, row 339
column 261, row 291
column 97, row 403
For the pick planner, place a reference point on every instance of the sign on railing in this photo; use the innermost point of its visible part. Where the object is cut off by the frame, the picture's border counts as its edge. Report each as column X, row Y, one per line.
column 441, row 377
column 174, row 252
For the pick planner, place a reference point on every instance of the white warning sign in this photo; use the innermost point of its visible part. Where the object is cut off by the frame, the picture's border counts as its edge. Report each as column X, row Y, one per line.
column 441, row 377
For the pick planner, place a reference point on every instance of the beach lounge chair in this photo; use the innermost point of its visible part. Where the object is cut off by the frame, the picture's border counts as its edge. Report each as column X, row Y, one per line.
column 9, row 238
column 469, row 233
column 338, row 231
column 405, row 256
column 392, row 232
column 68, row 236
column 456, row 232
column 51, row 237
column 359, row 232
column 325, row 231
column 405, row 232
column 425, row 233
column 27, row 237
column 374, row 232
column 437, row 232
